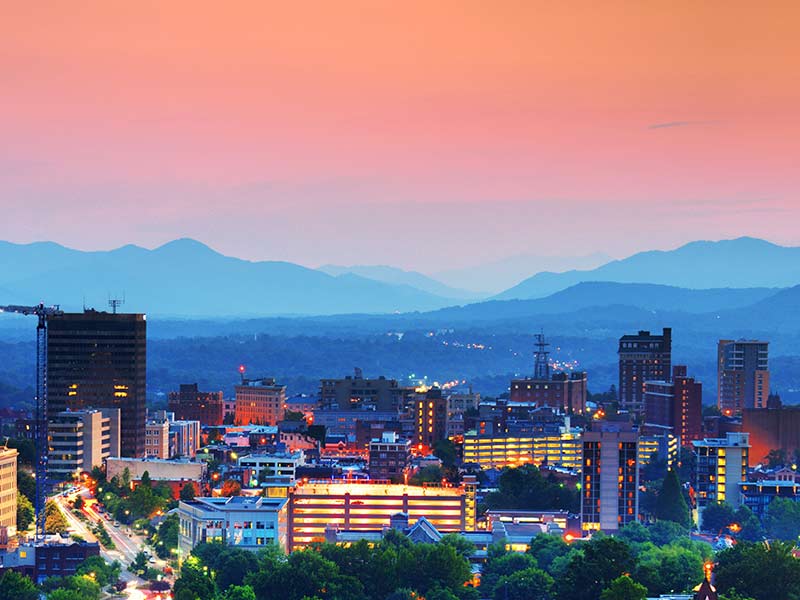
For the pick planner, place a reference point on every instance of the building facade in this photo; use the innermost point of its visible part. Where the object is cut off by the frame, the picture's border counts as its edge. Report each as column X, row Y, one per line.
column 366, row 506
column 8, row 490
column 359, row 393
column 642, row 357
column 80, row 440
column 260, row 402
column 278, row 464
column 389, row 457
column 742, row 375
column 184, row 437
column 721, row 465
column 190, row 404
column 239, row 521
column 156, row 439
column 98, row 360
column 676, row 403
column 563, row 391
column 772, row 429
column 610, row 479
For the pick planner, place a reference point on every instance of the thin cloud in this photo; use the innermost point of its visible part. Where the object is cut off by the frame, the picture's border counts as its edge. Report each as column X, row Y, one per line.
column 681, row 124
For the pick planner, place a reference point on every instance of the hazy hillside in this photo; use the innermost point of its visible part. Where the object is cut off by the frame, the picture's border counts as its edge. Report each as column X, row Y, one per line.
column 739, row 263
column 396, row 276
column 187, row 278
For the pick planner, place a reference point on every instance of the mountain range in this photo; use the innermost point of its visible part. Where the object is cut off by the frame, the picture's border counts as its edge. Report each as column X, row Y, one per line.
column 185, row 278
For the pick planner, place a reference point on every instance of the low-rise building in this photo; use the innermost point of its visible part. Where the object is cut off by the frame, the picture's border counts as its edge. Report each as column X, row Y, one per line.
column 260, row 402
column 389, row 457
column 242, row 522
column 758, row 495
column 276, row 464
column 156, row 438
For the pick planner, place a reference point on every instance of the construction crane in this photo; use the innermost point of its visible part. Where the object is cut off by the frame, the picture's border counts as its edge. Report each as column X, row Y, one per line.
column 40, row 412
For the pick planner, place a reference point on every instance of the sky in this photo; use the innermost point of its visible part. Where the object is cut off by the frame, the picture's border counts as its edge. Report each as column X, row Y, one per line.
column 426, row 135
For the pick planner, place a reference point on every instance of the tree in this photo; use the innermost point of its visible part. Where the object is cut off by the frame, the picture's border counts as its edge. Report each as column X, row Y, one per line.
column 670, row 504
column 776, row 458
column 188, row 492
column 14, row 586
column 716, row 517
column 193, row 584
column 666, row 532
column 445, row 450
column 546, row 549
column 528, row 584
column 139, row 564
column 460, row 544
column 669, row 568
column 97, row 568
column 239, row 592
column 233, row 565
column 783, row 519
column 25, row 512
column 504, row 566
column 167, row 536
column 624, row 588
column 78, row 503
column 750, row 527
column 231, row 488
column 54, row 520
column 26, row 484
column 759, row 571
column 604, row 559
column 526, row 488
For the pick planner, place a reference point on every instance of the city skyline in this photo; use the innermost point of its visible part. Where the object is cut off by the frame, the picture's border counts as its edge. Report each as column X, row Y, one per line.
column 419, row 136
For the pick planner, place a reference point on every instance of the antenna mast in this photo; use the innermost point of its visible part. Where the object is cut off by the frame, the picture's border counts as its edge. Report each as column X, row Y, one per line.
column 541, row 365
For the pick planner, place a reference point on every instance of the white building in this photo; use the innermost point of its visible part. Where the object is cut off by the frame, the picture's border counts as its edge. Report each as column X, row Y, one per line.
column 80, row 440
column 243, row 522
column 277, row 464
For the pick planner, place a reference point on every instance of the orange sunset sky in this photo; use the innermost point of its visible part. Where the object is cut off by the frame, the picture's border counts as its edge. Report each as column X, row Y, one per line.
column 420, row 134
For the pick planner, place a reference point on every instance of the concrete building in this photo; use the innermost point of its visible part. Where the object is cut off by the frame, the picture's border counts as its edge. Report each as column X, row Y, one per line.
column 241, row 522
column 52, row 557
column 430, row 418
column 8, row 490
column 98, row 360
column 610, row 478
column 156, row 439
column 80, row 440
column 507, row 450
column 278, row 464
column 260, row 402
column 721, row 465
column 190, row 404
column 642, row 357
column 184, row 437
column 742, row 375
column 389, row 457
column 676, row 403
column 359, row 393
column 758, row 495
column 366, row 506
column 158, row 469
column 563, row 391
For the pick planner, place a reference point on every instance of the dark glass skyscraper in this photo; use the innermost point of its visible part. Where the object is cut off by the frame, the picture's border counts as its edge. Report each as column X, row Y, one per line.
column 98, row 360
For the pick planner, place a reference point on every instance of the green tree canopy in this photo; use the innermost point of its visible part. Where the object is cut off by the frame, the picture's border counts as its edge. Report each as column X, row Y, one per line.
column 527, row 584
column 188, row 491
column 624, row 588
column 25, row 512
column 54, row 520
column 759, row 571
column 670, row 504
column 716, row 517
column 783, row 519
column 14, row 586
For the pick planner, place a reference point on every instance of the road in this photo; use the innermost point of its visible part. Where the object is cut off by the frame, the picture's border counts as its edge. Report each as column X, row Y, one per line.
column 128, row 543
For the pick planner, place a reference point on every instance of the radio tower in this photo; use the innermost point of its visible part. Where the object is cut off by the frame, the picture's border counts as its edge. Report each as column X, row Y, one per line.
column 541, row 365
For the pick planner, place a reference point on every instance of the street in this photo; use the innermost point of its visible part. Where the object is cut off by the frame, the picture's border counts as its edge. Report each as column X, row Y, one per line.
column 128, row 543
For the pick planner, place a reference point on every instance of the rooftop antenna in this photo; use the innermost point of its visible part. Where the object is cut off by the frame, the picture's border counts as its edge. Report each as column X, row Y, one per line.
column 115, row 303
column 541, row 368
column 241, row 372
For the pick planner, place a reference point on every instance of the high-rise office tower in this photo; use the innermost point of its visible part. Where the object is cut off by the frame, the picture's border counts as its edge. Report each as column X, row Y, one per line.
column 98, row 360
column 742, row 375
column 642, row 357
column 610, row 478
column 676, row 403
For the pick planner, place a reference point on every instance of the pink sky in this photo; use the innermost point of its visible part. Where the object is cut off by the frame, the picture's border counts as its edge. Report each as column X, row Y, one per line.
column 402, row 133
